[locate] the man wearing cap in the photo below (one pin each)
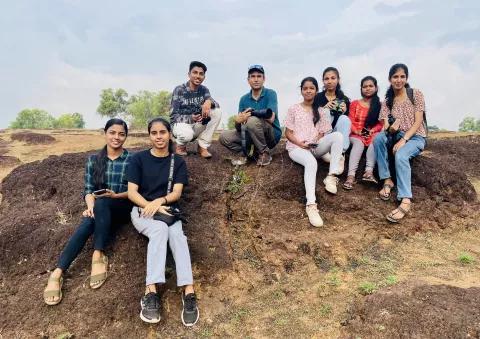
(194, 114)
(257, 122)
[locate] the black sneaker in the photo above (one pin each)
(190, 313)
(150, 304)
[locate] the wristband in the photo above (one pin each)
(404, 139)
(166, 201)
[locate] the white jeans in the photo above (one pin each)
(185, 133)
(332, 143)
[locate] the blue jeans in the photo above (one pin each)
(107, 211)
(343, 126)
(411, 149)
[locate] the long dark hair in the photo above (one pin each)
(316, 115)
(390, 94)
(321, 99)
(374, 110)
(100, 163)
(165, 123)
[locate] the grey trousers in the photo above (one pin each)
(260, 132)
(356, 154)
(158, 234)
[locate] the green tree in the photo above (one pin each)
(113, 103)
(74, 120)
(231, 122)
(33, 119)
(469, 124)
(147, 105)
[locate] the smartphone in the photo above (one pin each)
(100, 192)
(312, 145)
(365, 131)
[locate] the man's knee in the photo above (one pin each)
(216, 114)
(253, 123)
(225, 138)
(183, 133)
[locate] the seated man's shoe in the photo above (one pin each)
(264, 159)
(204, 153)
(181, 150)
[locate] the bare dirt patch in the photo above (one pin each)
(32, 138)
(422, 311)
(8, 161)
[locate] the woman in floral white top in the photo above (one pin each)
(309, 135)
(405, 132)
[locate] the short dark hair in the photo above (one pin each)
(197, 64)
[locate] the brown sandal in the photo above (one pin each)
(348, 184)
(386, 195)
(369, 178)
(399, 209)
(97, 280)
(54, 293)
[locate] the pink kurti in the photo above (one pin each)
(300, 121)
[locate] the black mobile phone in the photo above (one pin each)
(312, 145)
(99, 192)
(365, 131)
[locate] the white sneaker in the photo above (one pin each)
(331, 182)
(326, 157)
(313, 216)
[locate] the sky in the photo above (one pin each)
(59, 55)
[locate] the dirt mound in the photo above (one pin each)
(243, 234)
(8, 161)
(464, 148)
(32, 138)
(425, 311)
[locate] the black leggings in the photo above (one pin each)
(107, 211)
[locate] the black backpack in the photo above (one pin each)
(412, 100)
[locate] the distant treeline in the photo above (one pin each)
(137, 110)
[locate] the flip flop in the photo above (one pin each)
(386, 196)
(97, 280)
(370, 178)
(399, 209)
(348, 184)
(54, 293)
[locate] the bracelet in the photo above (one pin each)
(404, 139)
(166, 201)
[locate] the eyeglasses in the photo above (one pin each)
(259, 67)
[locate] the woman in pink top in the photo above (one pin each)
(402, 114)
(309, 134)
(365, 126)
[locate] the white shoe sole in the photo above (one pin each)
(150, 321)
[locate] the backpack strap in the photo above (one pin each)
(170, 174)
(411, 97)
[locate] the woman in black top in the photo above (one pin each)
(148, 183)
